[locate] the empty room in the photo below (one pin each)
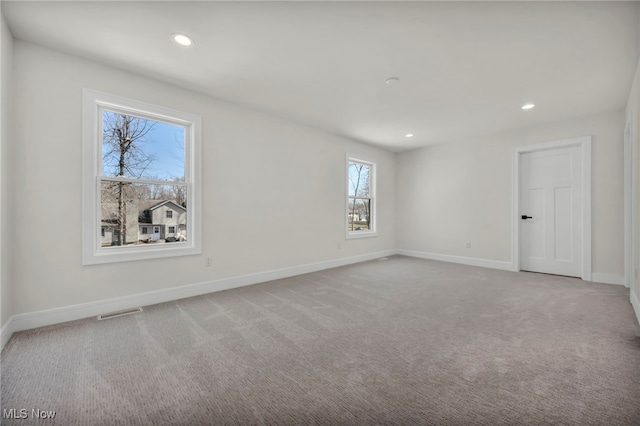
(325, 213)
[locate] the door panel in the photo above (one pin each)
(551, 193)
(563, 243)
(532, 230)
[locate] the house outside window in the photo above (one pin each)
(127, 189)
(361, 203)
(172, 229)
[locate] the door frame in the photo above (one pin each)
(629, 261)
(584, 143)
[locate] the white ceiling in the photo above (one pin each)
(465, 69)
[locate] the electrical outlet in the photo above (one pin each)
(209, 261)
(468, 244)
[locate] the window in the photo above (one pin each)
(102, 232)
(136, 158)
(145, 230)
(172, 229)
(360, 198)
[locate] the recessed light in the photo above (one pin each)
(182, 40)
(527, 106)
(392, 80)
(408, 135)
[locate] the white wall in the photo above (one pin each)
(452, 193)
(6, 55)
(273, 190)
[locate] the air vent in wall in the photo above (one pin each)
(119, 313)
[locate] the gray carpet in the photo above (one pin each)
(402, 341)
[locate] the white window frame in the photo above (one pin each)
(372, 195)
(92, 251)
(168, 214)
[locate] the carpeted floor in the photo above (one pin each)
(401, 341)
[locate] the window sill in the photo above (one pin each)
(361, 234)
(113, 255)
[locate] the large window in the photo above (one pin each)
(139, 161)
(360, 198)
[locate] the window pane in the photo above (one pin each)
(135, 213)
(359, 174)
(141, 148)
(359, 214)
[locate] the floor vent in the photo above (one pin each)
(382, 258)
(119, 313)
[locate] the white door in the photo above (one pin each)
(550, 213)
(156, 233)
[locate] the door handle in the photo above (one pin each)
(524, 216)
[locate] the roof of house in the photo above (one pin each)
(158, 204)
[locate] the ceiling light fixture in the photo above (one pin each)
(527, 106)
(392, 80)
(408, 135)
(182, 40)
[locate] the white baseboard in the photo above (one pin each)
(472, 261)
(5, 334)
(635, 302)
(496, 264)
(70, 313)
(597, 277)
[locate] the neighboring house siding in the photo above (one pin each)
(159, 216)
(109, 237)
(142, 224)
(177, 221)
(145, 233)
(110, 213)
